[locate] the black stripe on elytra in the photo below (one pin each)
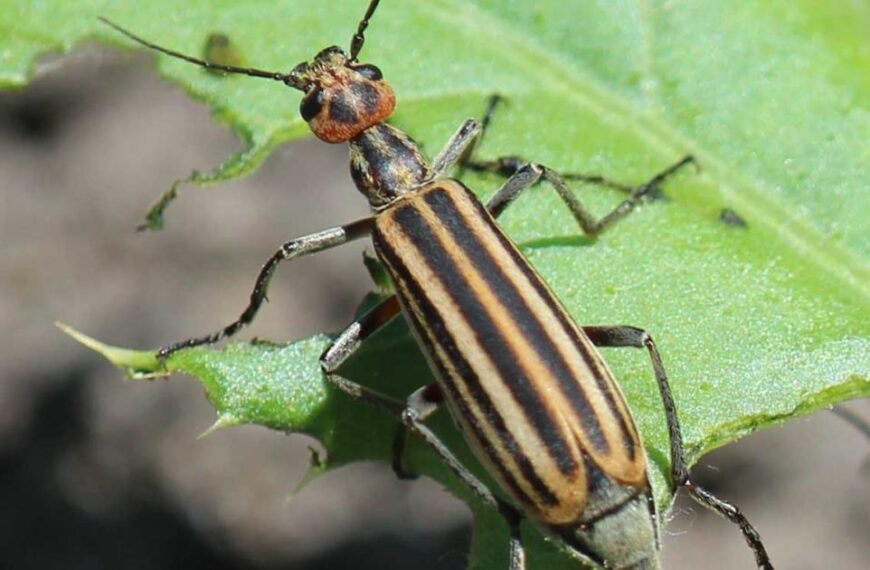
(436, 332)
(532, 330)
(570, 388)
(492, 340)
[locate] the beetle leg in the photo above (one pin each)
(733, 514)
(425, 401)
(531, 173)
(347, 343)
(298, 247)
(466, 160)
(458, 146)
(508, 165)
(511, 516)
(412, 413)
(625, 336)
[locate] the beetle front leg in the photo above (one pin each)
(625, 336)
(509, 165)
(412, 413)
(460, 144)
(298, 247)
(531, 173)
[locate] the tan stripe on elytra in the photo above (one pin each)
(571, 492)
(616, 462)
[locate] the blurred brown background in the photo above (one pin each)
(99, 473)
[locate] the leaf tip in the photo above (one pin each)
(136, 364)
(318, 465)
(223, 421)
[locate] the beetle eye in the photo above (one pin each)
(311, 104)
(369, 72)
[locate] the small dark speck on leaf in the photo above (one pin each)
(221, 50)
(731, 218)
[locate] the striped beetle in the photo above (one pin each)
(525, 384)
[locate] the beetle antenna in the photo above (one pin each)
(358, 39)
(274, 75)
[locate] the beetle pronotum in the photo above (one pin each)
(525, 384)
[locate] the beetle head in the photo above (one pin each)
(342, 97)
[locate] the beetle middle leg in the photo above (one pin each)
(625, 336)
(412, 413)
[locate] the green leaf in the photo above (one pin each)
(756, 324)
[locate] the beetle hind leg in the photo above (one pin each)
(625, 336)
(425, 401)
(733, 514)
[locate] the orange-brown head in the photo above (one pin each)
(342, 98)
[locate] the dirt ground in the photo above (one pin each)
(99, 473)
